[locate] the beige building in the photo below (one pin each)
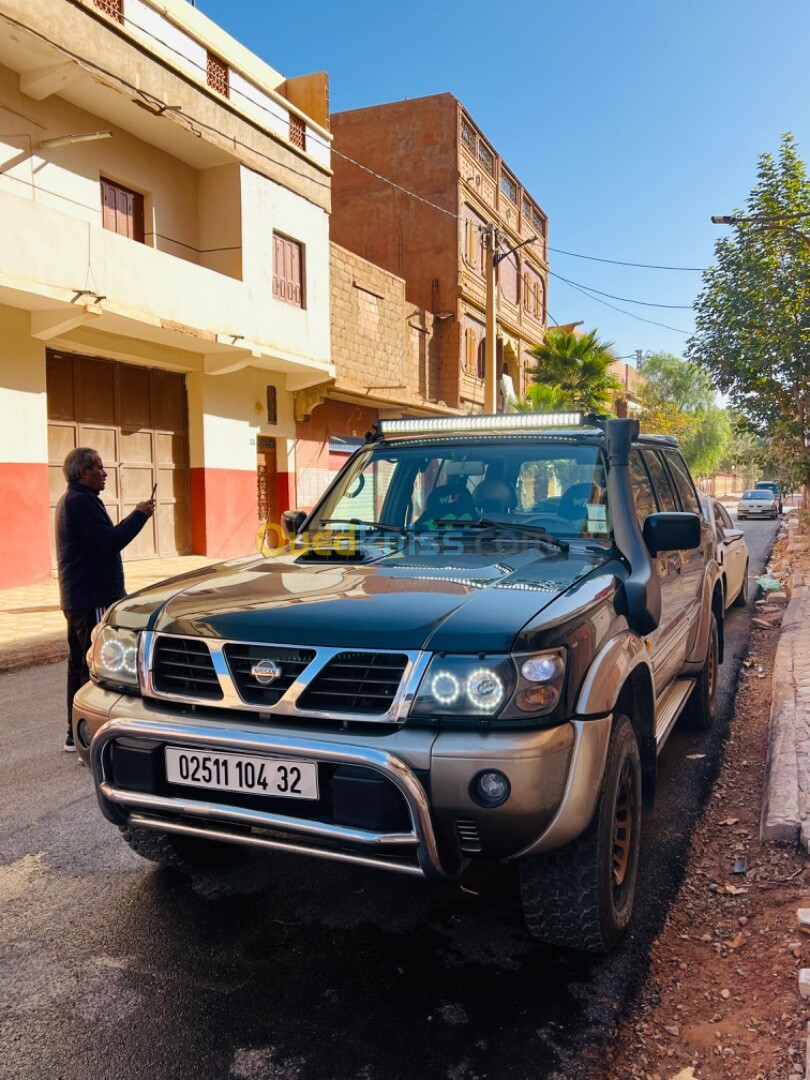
(164, 275)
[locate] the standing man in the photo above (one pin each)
(88, 553)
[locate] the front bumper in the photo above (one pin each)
(554, 776)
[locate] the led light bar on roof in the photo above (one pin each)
(434, 425)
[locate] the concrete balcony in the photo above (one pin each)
(86, 287)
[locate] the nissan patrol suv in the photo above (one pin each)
(474, 647)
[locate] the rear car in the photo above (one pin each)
(475, 646)
(758, 503)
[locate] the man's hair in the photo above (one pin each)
(78, 459)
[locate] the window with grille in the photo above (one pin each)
(288, 270)
(468, 136)
(486, 157)
(122, 210)
(218, 75)
(298, 132)
(113, 8)
(509, 186)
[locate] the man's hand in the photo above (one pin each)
(146, 507)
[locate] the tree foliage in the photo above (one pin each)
(753, 312)
(571, 368)
(677, 398)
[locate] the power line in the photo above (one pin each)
(623, 299)
(619, 262)
(585, 292)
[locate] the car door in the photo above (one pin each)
(668, 641)
(693, 562)
(731, 551)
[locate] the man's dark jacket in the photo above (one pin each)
(88, 549)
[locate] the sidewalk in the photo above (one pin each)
(32, 626)
(786, 799)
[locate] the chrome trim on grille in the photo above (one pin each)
(421, 838)
(287, 704)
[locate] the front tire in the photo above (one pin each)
(178, 852)
(699, 712)
(581, 897)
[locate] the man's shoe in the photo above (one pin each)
(70, 745)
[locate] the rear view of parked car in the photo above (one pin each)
(758, 503)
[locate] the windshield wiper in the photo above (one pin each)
(506, 526)
(380, 525)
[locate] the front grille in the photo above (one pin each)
(355, 682)
(184, 666)
(241, 658)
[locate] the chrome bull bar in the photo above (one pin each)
(421, 839)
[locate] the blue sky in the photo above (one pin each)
(631, 122)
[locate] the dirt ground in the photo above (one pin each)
(721, 999)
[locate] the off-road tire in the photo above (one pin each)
(178, 852)
(581, 897)
(741, 599)
(698, 713)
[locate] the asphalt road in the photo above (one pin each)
(284, 968)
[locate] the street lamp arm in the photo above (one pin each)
(766, 222)
(499, 256)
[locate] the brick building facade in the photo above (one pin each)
(432, 148)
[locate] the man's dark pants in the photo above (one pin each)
(80, 623)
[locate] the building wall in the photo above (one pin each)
(414, 144)
(383, 346)
(24, 538)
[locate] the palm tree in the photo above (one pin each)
(573, 372)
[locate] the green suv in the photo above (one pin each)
(475, 646)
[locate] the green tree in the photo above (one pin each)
(677, 398)
(573, 369)
(753, 312)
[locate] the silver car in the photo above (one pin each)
(758, 503)
(732, 551)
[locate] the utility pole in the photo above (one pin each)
(493, 258)
(490, 396)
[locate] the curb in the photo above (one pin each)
(786, 799)
(35, 654)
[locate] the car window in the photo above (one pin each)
(643, 494)
(768, 495)
(683, 482)
(722, 513)
(661, 482)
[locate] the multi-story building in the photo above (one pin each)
(415, 185)
(164, 272)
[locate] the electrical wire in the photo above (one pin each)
(652, 322)
(622, 299)
(619, 262)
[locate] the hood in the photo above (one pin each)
(462, 599)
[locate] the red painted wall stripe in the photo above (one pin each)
(224, 514)
(25, 540)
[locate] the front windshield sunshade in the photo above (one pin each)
(558, 488)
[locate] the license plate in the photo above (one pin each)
(238, 772)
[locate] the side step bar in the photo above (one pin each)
(669, 707)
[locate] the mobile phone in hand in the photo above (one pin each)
(154, 489)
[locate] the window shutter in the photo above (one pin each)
(288, 271)
(109, 206)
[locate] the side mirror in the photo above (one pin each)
(731, 535)
(671, 531)
(291, 522)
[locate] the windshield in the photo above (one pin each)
(758, 495)
(555, 486)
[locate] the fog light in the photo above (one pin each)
(83, 733)
(490, 788)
